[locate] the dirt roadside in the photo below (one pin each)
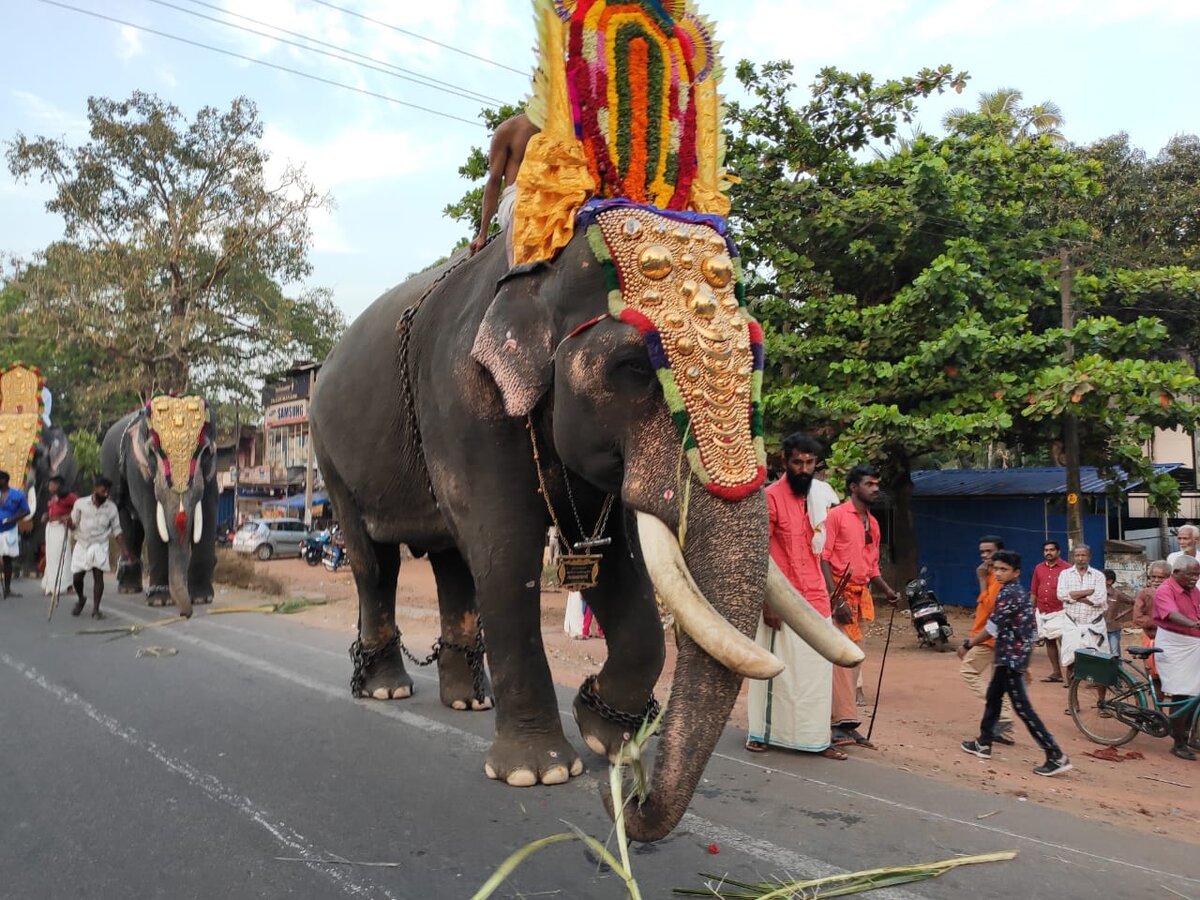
(926, 710)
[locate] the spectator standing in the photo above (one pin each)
(1118, 613)
(1084, 598)
(1189, 537)
(978, 649)
(1177, 617)
(1143, 613)
(1048, 608)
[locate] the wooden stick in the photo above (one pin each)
(1165, 781)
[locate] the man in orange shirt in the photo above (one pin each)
(852, 546)
(976, 668)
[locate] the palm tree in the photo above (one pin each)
(1002, 108)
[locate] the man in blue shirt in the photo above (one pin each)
(1014, 627)
(13, 508)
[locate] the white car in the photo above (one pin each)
(269, 538)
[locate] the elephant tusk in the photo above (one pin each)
(160, 516)
(197, 524)
(812, 627)
(31, 499)
(696, 616)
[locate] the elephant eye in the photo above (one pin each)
(633, 364)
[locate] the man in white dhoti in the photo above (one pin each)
(58, 536)
(792, 709)
(1177, 616)
(1084, 597)
(94, 521)
(505, 155)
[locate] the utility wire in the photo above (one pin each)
(421, 37)
(423, 80)
(261, 62)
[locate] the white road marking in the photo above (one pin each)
(209, 785)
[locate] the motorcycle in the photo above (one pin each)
(928, 614)
(333, 554)
(312, 549)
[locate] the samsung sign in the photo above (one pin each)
(287, 413)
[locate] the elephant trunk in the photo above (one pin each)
(179, 561)
(726, 555)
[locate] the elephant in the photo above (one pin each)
(162, 463)
(462, 413)
(53, 456)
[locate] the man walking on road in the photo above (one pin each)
(94, 521)
(13, 508)
(1084, 598)
(978, 655)
(792, 709)
(852, 552)
(1049, 609)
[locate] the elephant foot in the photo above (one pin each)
(544, 759)
(158, 595)
(380, 674)
(200, 601)
(463, 685)
(604, 727)
(129, 588)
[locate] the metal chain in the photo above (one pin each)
(590, 698)
(407, 400)
(363, 659)
(601, 522)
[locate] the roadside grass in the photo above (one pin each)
(236, 570)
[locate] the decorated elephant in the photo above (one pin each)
(162, 463)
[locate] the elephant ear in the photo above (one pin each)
(138, 434)
(515, 342)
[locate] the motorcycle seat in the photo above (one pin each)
(1143, 652)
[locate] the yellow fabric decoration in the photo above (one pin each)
(554, 182)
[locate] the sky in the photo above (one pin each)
(391, 167)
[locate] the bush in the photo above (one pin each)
(236, 570)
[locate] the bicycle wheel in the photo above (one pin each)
(1194, 734)
(1097, 723)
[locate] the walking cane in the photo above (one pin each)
(62, 555)
(882, 663)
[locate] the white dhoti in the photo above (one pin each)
(1050, 625)
(508, 202)
(10, 543)
(792, 709)
(90, 556)
(1179, 662)
(1088, 636)
(58, 558)
(573, 621)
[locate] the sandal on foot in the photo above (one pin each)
(833, 753)
(756, 746)
(1052, 679)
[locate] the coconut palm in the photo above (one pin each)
(1002, 108)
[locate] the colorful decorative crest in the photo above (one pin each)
(20, 420)
(626, 96)
(674, 277)
(179, 428)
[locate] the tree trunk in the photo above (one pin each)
(905, 549)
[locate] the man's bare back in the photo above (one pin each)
(504, 162)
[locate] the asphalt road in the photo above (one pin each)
(240, 767)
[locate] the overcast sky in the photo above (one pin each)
(1111, 65)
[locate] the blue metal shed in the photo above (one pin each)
(953, 508)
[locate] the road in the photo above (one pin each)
(240, 767)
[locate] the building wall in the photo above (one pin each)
(948, 531)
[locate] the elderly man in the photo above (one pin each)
(1143, 612)
(1177, 616)
(1188, 536)
(1084, 598)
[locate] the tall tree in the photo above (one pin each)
(911, 303)
(173, 270)
(468, 209)
(1001, 111)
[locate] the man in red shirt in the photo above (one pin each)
(1177, 617)
(57, 575)
(791, 710)
(852, 546)
(1044, 590)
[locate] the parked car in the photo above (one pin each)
(270, 538)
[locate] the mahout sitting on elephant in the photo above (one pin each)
(162, 462)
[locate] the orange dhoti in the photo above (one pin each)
(845, 710)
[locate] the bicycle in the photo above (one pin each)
(1125, 700)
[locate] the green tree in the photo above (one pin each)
(1001, 111)
(173, 270)
(86, 447)
(911, 303)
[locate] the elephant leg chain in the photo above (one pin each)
(473, 653)
(590, 698)
(363, 658)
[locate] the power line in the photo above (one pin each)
(261, 62)
(423, 80)
(420, 37)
